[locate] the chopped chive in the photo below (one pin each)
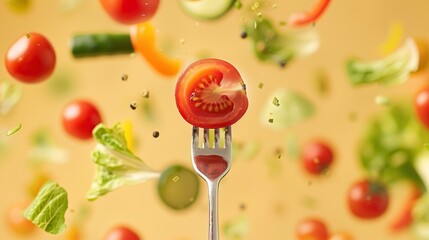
(276, 102)
(28, 35)
(238, 4)
(14, 130)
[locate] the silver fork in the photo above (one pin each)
(212, 163)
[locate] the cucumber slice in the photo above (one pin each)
(178, 187)
(206, 9)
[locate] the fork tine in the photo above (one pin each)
(206, 138)
(195, 137)
(228, 134)
(216, 138)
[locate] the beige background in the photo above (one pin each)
(274, 203)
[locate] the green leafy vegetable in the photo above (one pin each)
(293, 108)
(116, 165)
(10, 94)
(391, 145)
(14, 130)
(280, 47)
(390, 70)
(48, 208)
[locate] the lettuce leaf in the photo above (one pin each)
(48, 208)
(393, 69)
(116, 165)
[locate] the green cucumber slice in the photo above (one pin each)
(206, 9)
(178, 187)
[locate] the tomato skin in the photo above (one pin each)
(16, 220)
(31, 59)
(421, 105)
(230, 87)
(312, 229)
(130, 11)
(368, 199)
(79, 118)
(317, 157)
(121, 233)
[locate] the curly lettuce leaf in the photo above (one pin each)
(269, 44)
(48, 208)
(391, 145)
(116, 165)
(393, 69)
(291, 108)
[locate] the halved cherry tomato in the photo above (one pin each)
(143, 40)
(31, 59)
(211, 94)
(317, 157)
(421, 106)
(16, 220)
(300, 19)
(121, 233)
(79, 118)
(312, 229)
(368, 199)
(130, 11)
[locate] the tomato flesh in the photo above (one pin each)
(211, 94)
(122, 233)
(79, 118)
(368, 199)
(312, 229)
(31, 59)
(317, 157)
(130, 11)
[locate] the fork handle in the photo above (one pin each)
(213, 189)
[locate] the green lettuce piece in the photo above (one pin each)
(116, 165)
(10, 94)
(390, 70)
(48, 208)
(269, 44)
(292, 108)
(392, 144)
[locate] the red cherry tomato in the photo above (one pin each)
(317, 157)
(16, 220)
(312, 229)
(368, 199)
(79, 118)
(31, 58)
(122, 233)
(421, 105)
(130, 11)
(211, 94)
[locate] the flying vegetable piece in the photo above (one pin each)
(116, 165)
(10, 94)
(293, 108)
(19, 6)
(302, 19)
(206, 9)
(391, 145)
(368, 199)
(237, 228)
(141, 39)
(271, 45)
(16, 220)
(393, 69)
(405, 217)
(420, 216)
(48, 208)
(130, 11)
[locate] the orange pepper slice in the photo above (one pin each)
(143, 40)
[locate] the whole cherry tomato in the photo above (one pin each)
(130, 11)
(368, 199)
(312, 229)
(317, 157)
(79, 118)
(121, 233)
(421, 106)
(16, 220)
(31, 59)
